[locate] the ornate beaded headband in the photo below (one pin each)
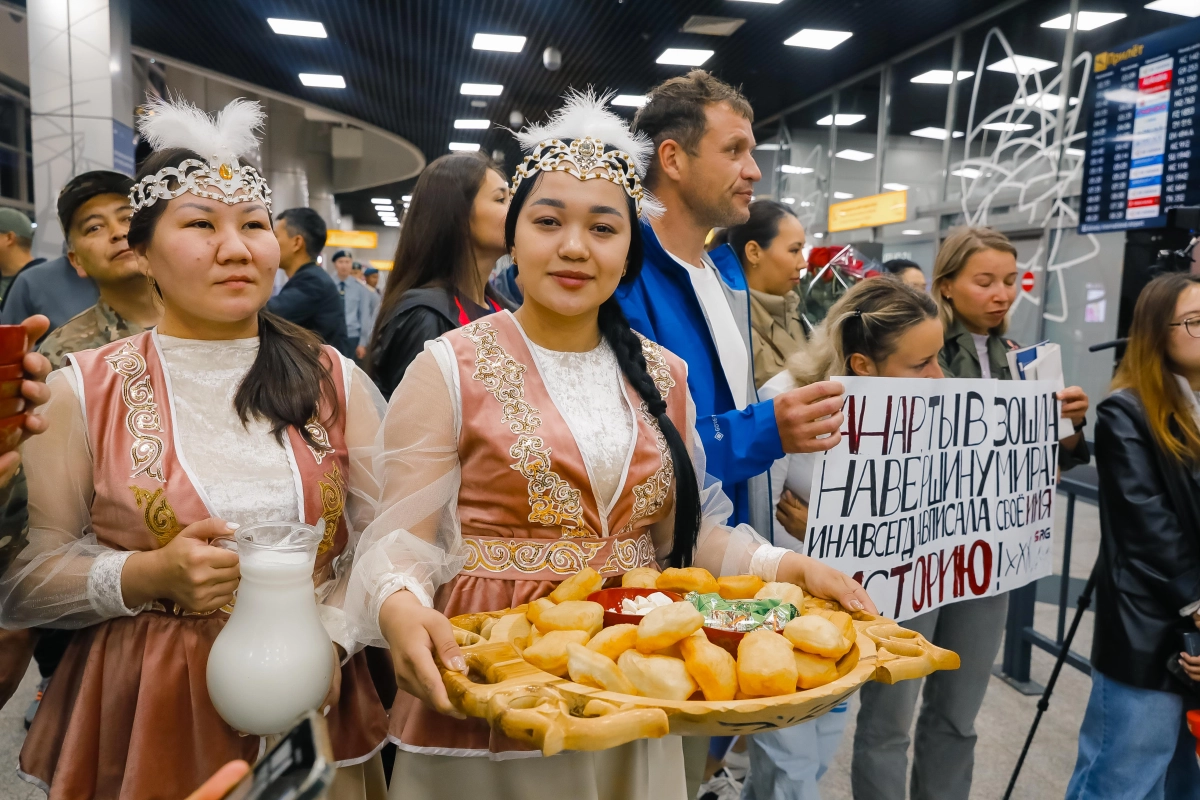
(574, 140)
(223, 140)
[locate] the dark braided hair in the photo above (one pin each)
(627, 346)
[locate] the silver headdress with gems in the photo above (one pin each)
(574, 139)
(223, 141)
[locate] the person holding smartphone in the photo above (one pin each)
(1134, 741)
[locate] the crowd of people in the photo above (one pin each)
(573, 340)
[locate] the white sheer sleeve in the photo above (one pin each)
(719, 549)
(63, 578)
(365, 408)
(415, 542)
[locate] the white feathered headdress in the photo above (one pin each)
(586, 139)
(223, 141)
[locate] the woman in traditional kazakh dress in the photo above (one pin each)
(546, 440)
(162, 442)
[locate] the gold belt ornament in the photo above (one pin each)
(559, 557)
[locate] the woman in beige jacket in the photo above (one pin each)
(771, 248)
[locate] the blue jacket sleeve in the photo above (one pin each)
(16, 306)
(739, 445)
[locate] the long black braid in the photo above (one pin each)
(627, 347)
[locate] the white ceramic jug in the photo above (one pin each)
(273, 661)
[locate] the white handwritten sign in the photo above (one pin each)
(940, 490)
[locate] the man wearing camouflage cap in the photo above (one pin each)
(94, 211)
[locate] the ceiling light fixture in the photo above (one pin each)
(768, 146)
(854, 155)
(1075, 151)
(1088, 20)
(895, 187)
(632, 100)
(498, 42)
(471, 124)
(768, 2)
(941, 76)
(817, 39)
(805, 204)
(297, 27)
(966, 172)
(391, 224)
(322, 81)
(1007, 127)
(842, 196)
(794, 170)
(388, 207)
(1026, 65)
(934, 133)
(468, 147)
(1184, 8)
(484, 89)
(912, 232)
(383, 200)
(406, 198)
(1046, 102)
(684, 57)
(791, 201)
(842, 119)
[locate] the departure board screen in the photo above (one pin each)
(1142, 154)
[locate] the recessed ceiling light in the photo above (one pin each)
(383, 200)
(1047, 102)
(634, 100)
(391, 224)
(1026, 65)
(941, 76)
(841, 196)
(479, 104)
(387, 207)
(1007, 127)
(854, 155)
(498, 42)
(934, 133)
(471, 124)
(465, 146)
(769, 146)
(1184, 8)
(297, 27)
(1088, 20)
(485, 89)
(684, 57)
(842, 119)
(805, 204)
(791, 201)
(912, 233)
(818, 39)
(966, 172)
(895, 187)
(1075, 151)
(407, 198)
(386, 215)
(793, 170)
(322, 81)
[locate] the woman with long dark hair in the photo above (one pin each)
(224, 415)
(453, 235)
(547, 439)
(1134, 742)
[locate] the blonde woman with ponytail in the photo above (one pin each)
(882, 327)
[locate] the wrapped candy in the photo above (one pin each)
(742, 616)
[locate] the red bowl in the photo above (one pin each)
(11, 430)
(611, 600)
(13, 344)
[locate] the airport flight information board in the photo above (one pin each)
(1142, 154)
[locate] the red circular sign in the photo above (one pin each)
(1027, 282)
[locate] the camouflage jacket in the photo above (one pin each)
(88, 329)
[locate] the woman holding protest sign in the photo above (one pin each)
(1133, 742)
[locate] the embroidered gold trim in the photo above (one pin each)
(333, 503)
(552, 501)
(142, 417)
(560, 556)
(656, 365)
(319, 435)
(156, 510)
(629, 554)
(651, 495)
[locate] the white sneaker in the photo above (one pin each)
(721, 786)
(737, 764)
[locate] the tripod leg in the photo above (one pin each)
(1085, 600)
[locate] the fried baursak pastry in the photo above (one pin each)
(614, 640)
(657, 676)
(813, 671)
(787, 592)
(549, 653)
(688, 579)
(592, 669)
(510, 628)
(666, 625)
(579, 586)
(739, 587)
(710, 666)
(640, 578)
(843, 621)
(817, 635)
(572, 615)
(535, 609)
(765, 665)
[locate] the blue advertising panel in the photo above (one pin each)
(1142, 157)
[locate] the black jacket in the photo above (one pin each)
(1149, 563)
(310, 299)
(421, 315)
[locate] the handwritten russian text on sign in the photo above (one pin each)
(940, 490)
(867, 212)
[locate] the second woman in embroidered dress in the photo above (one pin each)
(525, 446)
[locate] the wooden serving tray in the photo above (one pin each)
(554, 714)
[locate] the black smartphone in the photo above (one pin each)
(1191, 643)
(299, 767)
